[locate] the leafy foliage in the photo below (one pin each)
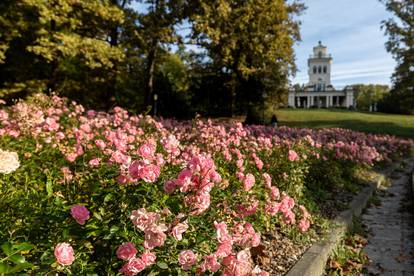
(401, 46)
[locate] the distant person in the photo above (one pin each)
(273, 121)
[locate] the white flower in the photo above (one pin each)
(9, 161)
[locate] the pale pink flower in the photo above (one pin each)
(126, 251)
(222, 232)
(143, 219)
(224, 249)
(148, 258)
(248, 182)
(94, 162)
(80, 213)
(187, 259)
(149, 173)
(133, 267)
(64, 253)
(293, 156)
(268, 180)
(304, 225)
(100, 144)
(178, 230)
(272, 208)
(210, 263)
(274, 193)
(147, 150)
(289, 217)
(154, 236)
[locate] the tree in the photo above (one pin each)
(368, 95)
(401, 45)
(158, 30)
(251, 41)
(61, 45)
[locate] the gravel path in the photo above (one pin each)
(391, 228)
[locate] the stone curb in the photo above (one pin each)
(313, 261)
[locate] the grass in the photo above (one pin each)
(380, 123)
(348, 258)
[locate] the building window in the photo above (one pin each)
(314, 69)
(324, 69)
(320, 54)
(319, 69)
(319, 87)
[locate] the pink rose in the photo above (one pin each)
(149, 173)
(223, 250)
(126, 251)
(133, 267)
(210, 263)
(79, 213)
(143, 219)
(178, 230)
(268, 180)
(148, 258)
(94, 162)
(154, 236)
(248, 182)
(147, 150)
(222, 232)
(293, 156)
(274, 193)
(304, 225)
(64, 253)
(169, 186)
(187, 259)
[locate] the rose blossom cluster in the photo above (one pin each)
(242, 235)
(196, 181)
(134, 264)
(148, 222)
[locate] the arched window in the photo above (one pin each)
(324, 69)
(320, 54)
(319, 69)
(314, 69)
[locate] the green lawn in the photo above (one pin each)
(400, 125)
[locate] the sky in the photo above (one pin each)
(351, 31)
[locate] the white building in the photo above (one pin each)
(319, 92)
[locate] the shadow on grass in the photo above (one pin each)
(358, 125)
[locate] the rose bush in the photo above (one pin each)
(115, 193)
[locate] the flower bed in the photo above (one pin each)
(110, 192)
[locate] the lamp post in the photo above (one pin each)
(155, 104)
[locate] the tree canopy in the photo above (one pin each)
(107, 52)
(400, 30)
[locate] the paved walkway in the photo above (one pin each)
(391, 228)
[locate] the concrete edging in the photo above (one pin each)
(313, 261)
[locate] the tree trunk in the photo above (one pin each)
(152, 55)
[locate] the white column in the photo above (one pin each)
(308, 101)
(311, 102)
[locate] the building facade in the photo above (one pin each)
(319, 91)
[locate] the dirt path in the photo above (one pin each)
(391, 228)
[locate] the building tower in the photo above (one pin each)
(319, 69)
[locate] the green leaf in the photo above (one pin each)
(21, 267)
(97, 215)
(49, 188)
(17, 259)
(24, 246)
(4, 268)
(162, 265)
(7, 248)
(108, 197)
(114, 229)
